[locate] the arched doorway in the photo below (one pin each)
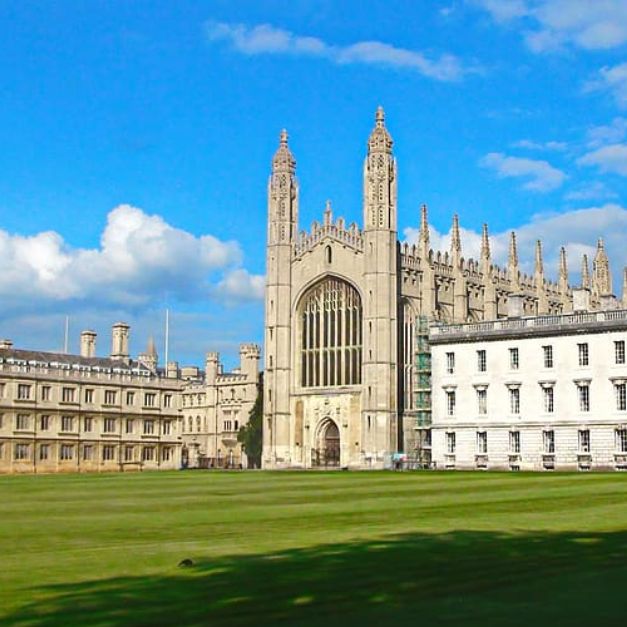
(327, 451)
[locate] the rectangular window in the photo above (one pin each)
(549, 399)
(109, 425)
(45, 392)
(167, 401)
(148, 453)
(450, 443)
(450, 403)
(22, 421)
(514, 401)
(514, 441)
(584, 356)
(23, 392)
(149, 399)
(89, 396)
(88, 452)
(227, 425)
(88, 424)
(21, 452)
(67, 452)
(130, 398)
(548, 356)
(44, 452)
(3, 389)
(67, 395)
(482, 402)
(621, 440)
(482, 442)
(149, 427)
(167, 427)
(1, 421)
(548, 442)
(450, 363)
(108, 453)
(44, 423)
(109, 397)
(482, 363)
(584, 441)
(621, 396)
(619, 352)
(129, 453)
(513, 358)
(129, 425)
(67, 423)
(584, 397)
(166, 454)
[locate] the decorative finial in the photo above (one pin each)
(283, 137)
(485, 243)
(456, 242)
(424, 229)
(563, 269)
(328, 213)
(539, 265)
(585, 272)
(513, 250)
(380, 116)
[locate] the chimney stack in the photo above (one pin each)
(88, 343)
(6, 344)
(119, 341)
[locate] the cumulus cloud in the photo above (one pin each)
(576, 230)
(140, 258)
(239, 285)
(541, 176)
(612, 133)
(595, 190)
(553, 24)
(612, 158)
(528, 144)
(613, 80)
(268, 39)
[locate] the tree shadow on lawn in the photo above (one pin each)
(456, 578)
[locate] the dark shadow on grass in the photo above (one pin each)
(457, 578)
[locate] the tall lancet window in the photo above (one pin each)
(330, 335)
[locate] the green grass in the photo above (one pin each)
(314, 549)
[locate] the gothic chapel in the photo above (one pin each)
(346, 307)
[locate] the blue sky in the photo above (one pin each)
(136, 139)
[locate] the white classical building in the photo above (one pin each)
(534, 393)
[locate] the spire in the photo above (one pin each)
(151, 349)
(380, 117)
(328, 214)
(380, 140)
(283, 160)
(423, 238)
(456, 241)
(539, 265)
(601, 276)
(512, 262)
(585, 272)
(563, 271)
(485, 243)
(513, 251)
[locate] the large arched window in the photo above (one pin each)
(330, 335)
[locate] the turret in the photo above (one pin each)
(456, 242)
(249, 360)
(423, 237)
(150, 358)
(538, 275)
(512, 263)
(601, 275)
(563, 272)
(585, 272)
(212, 367)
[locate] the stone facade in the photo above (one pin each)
(538, 393)
(216, 407)
(344, 311)
(82, 413)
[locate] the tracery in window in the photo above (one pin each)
(330, 339)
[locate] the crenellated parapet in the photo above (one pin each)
(337, 230)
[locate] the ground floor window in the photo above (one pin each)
(450, 443)
(548, 442)
(88, 452)
(67, 452)
(108, 453)
(584, 441)
(621, 440)
(166, 453)
(148, 453)
(44, 452)
(129, 453)
(21, 452)
(482, 442)
(514, 441)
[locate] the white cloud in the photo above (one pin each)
(140, 258)
(595, 190)
(541, 146)
(541, 175)
(608, 134)
(588, 24)
(612, 158)
(239, 285)
(577, 230)
(267, 39)
(612, 79)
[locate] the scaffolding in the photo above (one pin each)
(422, 393)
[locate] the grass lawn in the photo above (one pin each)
(314, 549)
